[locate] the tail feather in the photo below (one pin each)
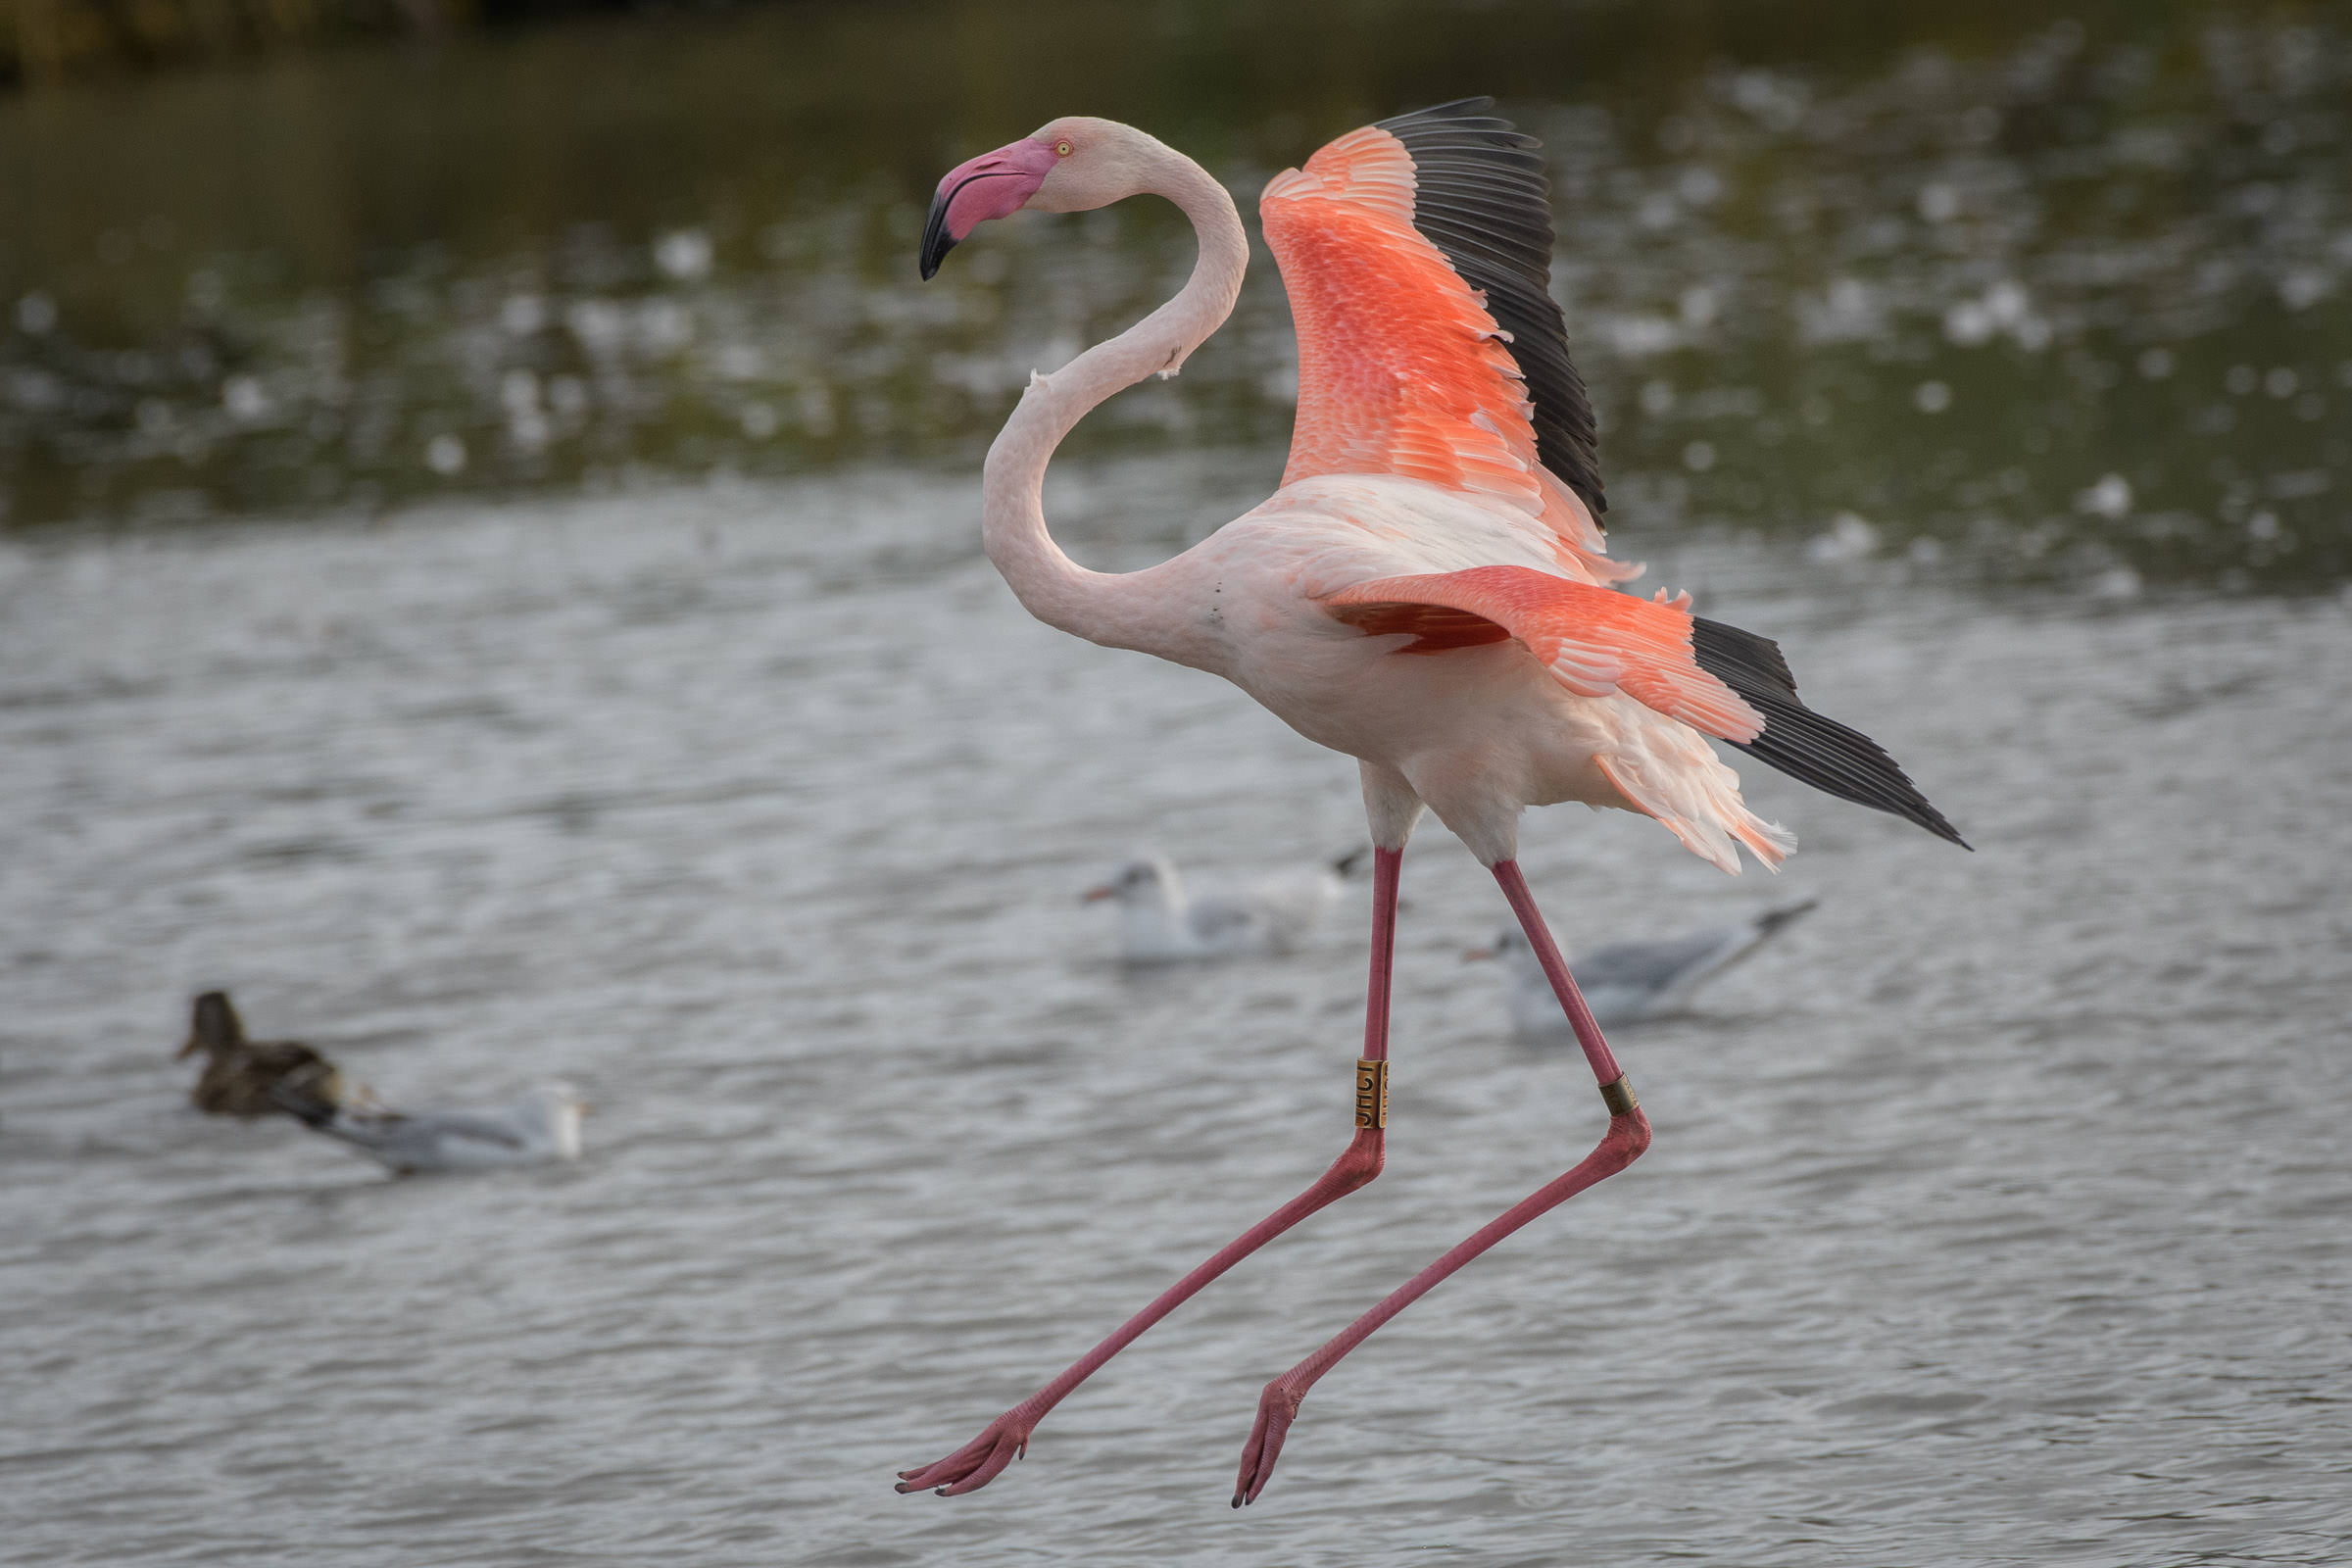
(1803, 744)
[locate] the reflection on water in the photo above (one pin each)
(2050, 297)
(2061, 300)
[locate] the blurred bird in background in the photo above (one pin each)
(1626, 982)
(1162, 920)
(240, 1076)
(542, 1126)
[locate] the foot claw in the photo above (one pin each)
(1277, 1408)
(975, 1464)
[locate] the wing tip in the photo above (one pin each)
(1807, 746)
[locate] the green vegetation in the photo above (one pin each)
(2064, 297)
(44, 42)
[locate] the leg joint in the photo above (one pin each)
(1631, 1134)
(1359, 1162)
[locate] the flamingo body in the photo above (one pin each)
(1478, 734)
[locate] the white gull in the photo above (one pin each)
(1163, 921)
(544, 1125)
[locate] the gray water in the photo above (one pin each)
(1999, 1215)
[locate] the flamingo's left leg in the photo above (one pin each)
(1628, 1136)
(1007, 1438)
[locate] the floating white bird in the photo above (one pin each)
(1627, 982)
(544, 1125)
(1161, 921)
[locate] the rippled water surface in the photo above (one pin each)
(2000, 1215)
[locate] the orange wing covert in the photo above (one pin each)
(1399, 366)
(1718, 680)
(1597, 641)
(1401, 370)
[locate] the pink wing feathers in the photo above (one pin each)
(1596, 641)
(1415, 253)
(1718, 680)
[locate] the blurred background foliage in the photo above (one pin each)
(1999, 288)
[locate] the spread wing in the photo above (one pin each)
(1598, 642)
(1417, 254)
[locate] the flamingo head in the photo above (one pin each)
(1072, 164)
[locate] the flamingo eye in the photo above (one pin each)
(1062, 149)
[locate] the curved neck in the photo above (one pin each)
(1053, 587)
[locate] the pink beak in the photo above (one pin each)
(991, 185)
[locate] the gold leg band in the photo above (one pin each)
(1618, 1096)
(1371, 1093)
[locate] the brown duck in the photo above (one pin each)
(239, 1074)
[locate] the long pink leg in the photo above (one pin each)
(1006, 1438)
(1628, 1136)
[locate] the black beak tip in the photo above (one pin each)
(937, 241)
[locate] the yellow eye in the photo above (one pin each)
(1062, 149)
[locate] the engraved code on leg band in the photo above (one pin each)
(1371, 1093)
(1619, 1097)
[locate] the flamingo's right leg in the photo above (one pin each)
(1627, 1137)
(1006, 1438)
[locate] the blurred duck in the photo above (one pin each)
(1161, 921)
(1627, 982)
(542, 1126)
(240, 1075)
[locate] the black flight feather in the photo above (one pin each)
(1800, 743)
(1479, 199)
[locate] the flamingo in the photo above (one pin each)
(1429, 592)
